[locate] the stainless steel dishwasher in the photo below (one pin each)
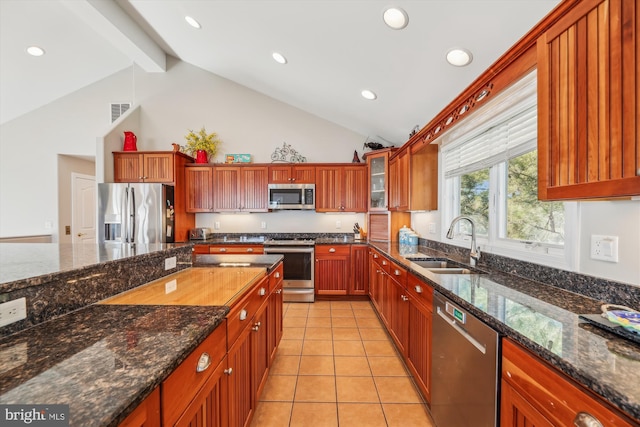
(464, 379)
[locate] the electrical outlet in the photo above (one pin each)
(263, 225)
(12, 311)
(338, 224)
(170, 263)
(216, 225)
(432, 228)
(604, 248)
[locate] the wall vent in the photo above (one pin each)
(117, 110)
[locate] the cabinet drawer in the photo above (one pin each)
(337, 250)
(236, 249)
(242, 312)
(420, 291)
(276, 276)
(556, 396)
(183, 384)
(398, 273)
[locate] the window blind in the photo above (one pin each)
(503, 136)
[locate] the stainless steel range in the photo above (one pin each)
(298, 283)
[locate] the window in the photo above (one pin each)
(490, 174)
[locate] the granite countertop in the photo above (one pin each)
(112, 357)
(37, 262)
(545, 320)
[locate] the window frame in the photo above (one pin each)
(554, 255)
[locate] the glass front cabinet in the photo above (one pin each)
(378, 162)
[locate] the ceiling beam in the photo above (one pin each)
(111, 21)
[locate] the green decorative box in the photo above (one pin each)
(238, 158)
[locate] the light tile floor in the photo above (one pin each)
(336, 366)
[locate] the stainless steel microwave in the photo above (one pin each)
(292, 196)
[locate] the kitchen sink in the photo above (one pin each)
(441, 265)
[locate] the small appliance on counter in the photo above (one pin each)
(200, 233)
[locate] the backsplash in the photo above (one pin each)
(603, 290)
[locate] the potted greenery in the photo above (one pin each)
(201, 145)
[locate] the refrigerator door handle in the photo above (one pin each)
(125, 216)
(132, 216)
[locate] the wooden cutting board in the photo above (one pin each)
(193, 286)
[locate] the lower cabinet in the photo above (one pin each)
(147, 414)
(418, 348)
(275, 311)
(187, 393)
(359, 282)
(332, 269)
(241, 401)
(534, 393)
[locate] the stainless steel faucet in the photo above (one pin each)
(474, 256)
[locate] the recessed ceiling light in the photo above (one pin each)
(279, 58)
(367, 94)
(459, 57)
(35, 51)
(395, 18)
(192, 22)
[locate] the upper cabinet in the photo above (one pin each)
(287, 174)
(240, 188)
(144, 166)
(588, 90)
(378, 163)
(341, 188)
(399, 170)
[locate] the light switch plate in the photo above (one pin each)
(604, 248)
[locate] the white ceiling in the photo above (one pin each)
(335, 48)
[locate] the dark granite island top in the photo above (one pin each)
(102, 360)
(545, 320)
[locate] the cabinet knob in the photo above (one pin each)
(223, 249)
(262, 292)
(203, 362)
(249, 249)
(256, 326)
(585, 419)
(277, 274)
(243, 314)
(332, 250)
(397, 272)
(418, 289)
(228, 371)
(384, 262)
(375, 256)
(279, 291)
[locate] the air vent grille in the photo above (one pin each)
(117, 110)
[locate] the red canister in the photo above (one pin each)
(130, 140)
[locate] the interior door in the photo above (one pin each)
(83, 208)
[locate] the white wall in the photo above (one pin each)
(185, 97)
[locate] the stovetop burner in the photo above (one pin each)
(289, 242)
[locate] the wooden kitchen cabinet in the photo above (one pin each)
(286, 174)
(260, 351)
(240, 188)
(384, 226)
(423, 181)
(147, 414)
(341, 188)
(378, 169)
(534, 393)
(188, 394)
(588, 91)
(359, 282)
(275, 311)
(228, 249)
(332, 270)
(418, 350)
(144, 166)
(240, 400)
(399, 181)
(199, 188)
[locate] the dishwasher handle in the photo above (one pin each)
(481, 347)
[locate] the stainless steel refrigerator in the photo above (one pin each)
(135, 213)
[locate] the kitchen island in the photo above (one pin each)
(103, 360)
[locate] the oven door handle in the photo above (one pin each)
(288, 250)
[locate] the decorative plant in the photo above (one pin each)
(202, 140)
